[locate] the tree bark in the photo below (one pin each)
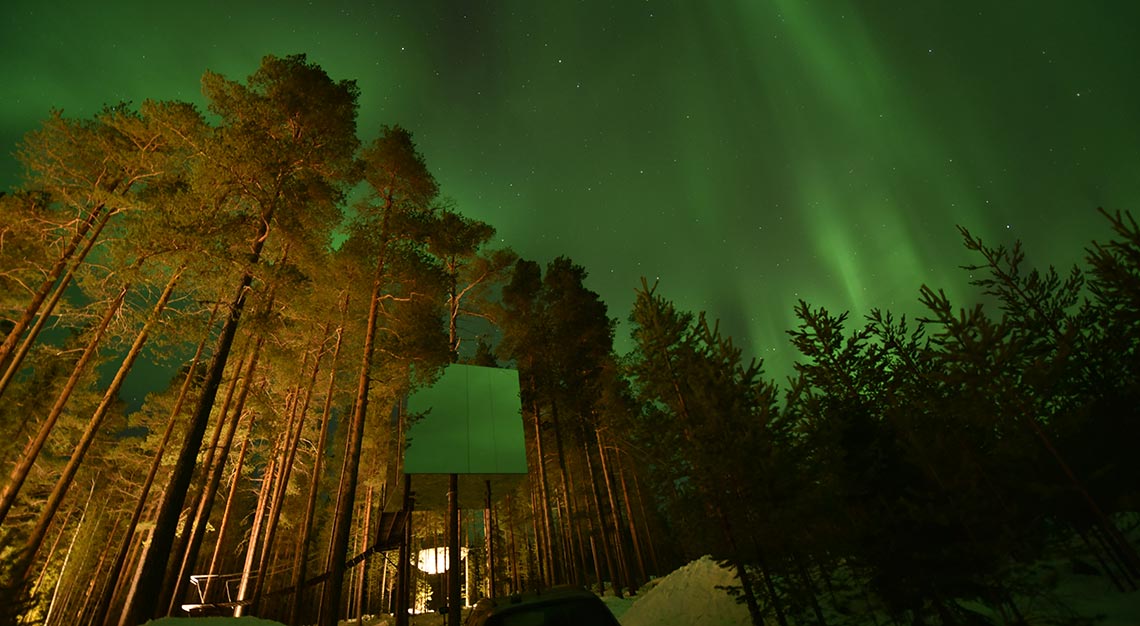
(544, 508)
(489, 546)
(288, 456)
(11, 362)
(32, 450)
(629, 519)
(255, 536)
(616, 515)
(143, 598)
(102, 608)
(67, 555)
(515, 588)
(342, 520)
(214, 468)
(453, 550)
(610, 567)
(109, 397)
(318, 458)
(227, 511)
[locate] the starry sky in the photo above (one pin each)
(747, 153)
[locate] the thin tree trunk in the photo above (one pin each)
(363, 568)
(544, 509)
(318, 458)
(201, 479)
(254, 536)
(143, 599)
(490, 541)
(227, 511)
(289, 455)
(109, 397)
(51, 552)
(567, 562)
(93, 583)
(629, 519)
(453, 550)
(342, 520)
(67, 555)
(403, 566)
(615, 513)
(32, 449)
(214, 466)
(102, 608)
(645, 522)
(11, 362)
(515, 588)
(601, 526)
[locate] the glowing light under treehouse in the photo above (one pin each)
(434, 560)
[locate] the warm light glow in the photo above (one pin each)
(434, 560)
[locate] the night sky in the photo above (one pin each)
(747, 153)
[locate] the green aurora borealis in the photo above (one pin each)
(747, 153)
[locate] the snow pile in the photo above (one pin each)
(690, 596)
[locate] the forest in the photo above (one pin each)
(283, 282)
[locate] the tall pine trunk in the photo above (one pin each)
(227, 510)
(32, 450)
(179, 569)
(70, 548)
(610, 561)
(255, 537)
(143, 599)
(302, 560)
(629, 519)
(543, 509)
(109, 397)
(102, 608)
(288, 456)
(615, 514)
(342, 520)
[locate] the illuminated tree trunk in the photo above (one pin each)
(101, 609)
(97, 575)
(616, 515)
(514, 554)
(255, 536)
(544, 506)
(289, 454)
(363, 568)
(51, 551)
(32, 450)
(227, 511)
(564, 526)
(67, 555)
(109, 397)
(10, 362)
(611, 566)
(342, 520)
(489, 543)
(302, 558)
(632, 526)
(536, 569)
(179, 570)
(143, 600)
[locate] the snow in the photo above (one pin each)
(689, 595)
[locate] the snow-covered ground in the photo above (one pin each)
(690, 596)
